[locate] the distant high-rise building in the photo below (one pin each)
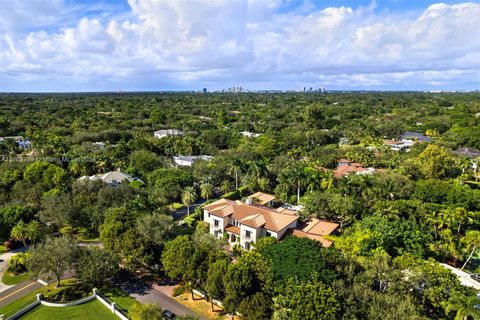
(204, 90)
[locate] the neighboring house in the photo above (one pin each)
(317, 229)
(346, 167)
(343, 141)
(19, 140)
(401, 145)
(246, 223)
(263, 199)
(468, 152)
(188, 161)
(418, 137)
(168, 132)
(113, 178)
(250, 134)
(100, 145)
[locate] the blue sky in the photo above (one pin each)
(134, 45)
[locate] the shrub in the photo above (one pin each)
(178, 291)
(70, 293)
(16, 264)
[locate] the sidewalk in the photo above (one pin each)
(4, 265)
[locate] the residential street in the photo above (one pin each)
(15, 292)
(156, 293)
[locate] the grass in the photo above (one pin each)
(177, 205)
(30, 297)
(202, 307)
(120, 297)
(3, 249)
(9, 278)
(92, 310)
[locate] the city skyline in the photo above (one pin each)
(66, 46)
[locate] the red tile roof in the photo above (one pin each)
(251, 215)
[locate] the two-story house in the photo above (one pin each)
(245, 223)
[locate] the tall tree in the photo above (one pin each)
(465, 306)
(52, 258)
(206, 190)
(471, 242)
(189, 196)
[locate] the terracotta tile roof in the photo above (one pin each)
(254, 221)
(251, 215)
(320, 227)
(302, 234)
(346, 167)
(262, 198)
(316, 229)
(233, 229)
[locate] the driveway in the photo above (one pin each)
(4, 265)
(156, 293)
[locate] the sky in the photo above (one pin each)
(155, 45)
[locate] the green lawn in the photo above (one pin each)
(24, 301)
(123, 300)
(120, 297)
(11, 278)
(92, 310)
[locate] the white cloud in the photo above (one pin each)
(188, 43)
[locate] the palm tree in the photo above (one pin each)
(327, 180)
(206, 190)
(471, 241)
(20, 233)
(235, 168)
(34, 231)
(464, 306)
(226, 186)
(189, 195)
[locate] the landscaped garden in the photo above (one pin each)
(92, 310)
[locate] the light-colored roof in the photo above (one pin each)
(251, 215)
(169, 132)
(320, 227)
(262, 198)
(109, 177)
(286, 211)
(316, 229)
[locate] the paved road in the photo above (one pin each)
(17, 291)
(147, 293)
(166, 302)
(182, 213)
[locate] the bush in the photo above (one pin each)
(66, 231)
(236, 194)
(178, 291)
(70, 293)
(16, 264)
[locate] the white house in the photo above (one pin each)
(402, 145)
(187, 161)
(168, 132)
(250, 134)
(19, 140)
(245, 223)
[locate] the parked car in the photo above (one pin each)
(168, 315)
